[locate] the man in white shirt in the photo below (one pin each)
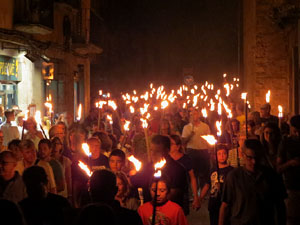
(9, 128)
(197, 147)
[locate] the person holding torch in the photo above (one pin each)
(160, 148)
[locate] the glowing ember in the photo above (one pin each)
(85, 168)
(268, 96)
(218, 125)
(280, 113)
(210, 139)
(136, 162)
(86, 149)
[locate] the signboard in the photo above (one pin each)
(9, 68)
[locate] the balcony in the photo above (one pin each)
(34, 17)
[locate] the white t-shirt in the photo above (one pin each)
(10, 133)
(196, 141)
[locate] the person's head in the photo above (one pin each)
(8, 163)
(251, 126)
(235, 124)
(57, 131)
(255, 116)
(106, 142)
(44, 149)
(95, 146)
(295, 126)
(271, 133)
(252, 154)
(10, 115)
(28, 150)
(163, 189)
(77, 136)
(91, 213)
(116, 160)
(123, 185)
(176, 143)
(159, 147)
(222, 154)
(13, 146)
(265, 110)
(165, 127)
(30, 124)
(57, 147)
(35, 180)
(10, 213)
(103, 186)
(194, 115)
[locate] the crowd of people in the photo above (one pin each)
(251, 176)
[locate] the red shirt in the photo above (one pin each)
(168, 214)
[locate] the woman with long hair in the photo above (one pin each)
(124, 192)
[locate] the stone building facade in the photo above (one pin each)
(270, 53)
(50, 42)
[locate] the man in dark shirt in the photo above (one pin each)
(289, 165)
(42, 207)
(160, 147)
(98, 160)
(265, 114)
(11, 184)
(103, 188)
(253, 194)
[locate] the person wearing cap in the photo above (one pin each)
(288, 163)
(265, 114)
(9, 128)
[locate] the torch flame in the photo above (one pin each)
(85, 168)
(79, 112)
(280, 113)
(112, 104)
(268, 95)
(126, 125)
(136, 162)
(109, 119)
(144, 123)
(164, 104)
(158, 166)
(86, 149)
(131, 109)
(38, 117)
(218, 125)
(244, 95)
(210, 139)
(204, 112)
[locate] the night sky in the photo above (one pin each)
(161, 41)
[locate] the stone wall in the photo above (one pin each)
(267, 56)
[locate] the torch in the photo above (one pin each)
(157, 168)
(87, 152)
(126, 129)
(280, 115)
(145, 126)
(85, 168)
(138, 165)
(212, 141)
(24, 120)
(78, 118)
(39, 122)
(244, 97)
